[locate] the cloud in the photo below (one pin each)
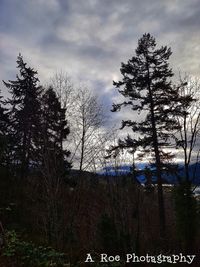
(89, 39)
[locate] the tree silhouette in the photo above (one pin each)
(24, 114)
(54, 126)
(4, 121)
(147, 85)
(53, 163)
(189, 131)
(86, 120)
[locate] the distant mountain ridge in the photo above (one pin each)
(194, 172)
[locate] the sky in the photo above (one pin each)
(88, 39)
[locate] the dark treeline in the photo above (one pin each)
(34, 124)
(45, 200)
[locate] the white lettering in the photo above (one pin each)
(191, 258)
(89, 258)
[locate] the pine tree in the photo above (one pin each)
(4, 121)
(24, 113)
(54, 126)
(147, 85)
(53, 164)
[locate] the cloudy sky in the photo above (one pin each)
(89, 39)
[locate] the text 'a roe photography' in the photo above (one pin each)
(133, 258)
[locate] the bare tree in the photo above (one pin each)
(88, 118)
(188, 134)
(103, 141)
(85, 116)
(63, 86)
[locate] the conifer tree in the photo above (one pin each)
(54, 165)
(3, 128)
(147, 85)
(54, 126)
(24, 113)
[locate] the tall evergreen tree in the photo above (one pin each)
(24, 112)
(147, 85)
(54, 126)
(3, 128)
(53, 162)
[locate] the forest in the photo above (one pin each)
(63, 193)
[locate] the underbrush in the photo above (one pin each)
(23, 253)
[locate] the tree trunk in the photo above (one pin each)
(82, 150)
(158, 163)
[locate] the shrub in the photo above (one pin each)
(28, 254)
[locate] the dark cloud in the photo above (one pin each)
(89, 39)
